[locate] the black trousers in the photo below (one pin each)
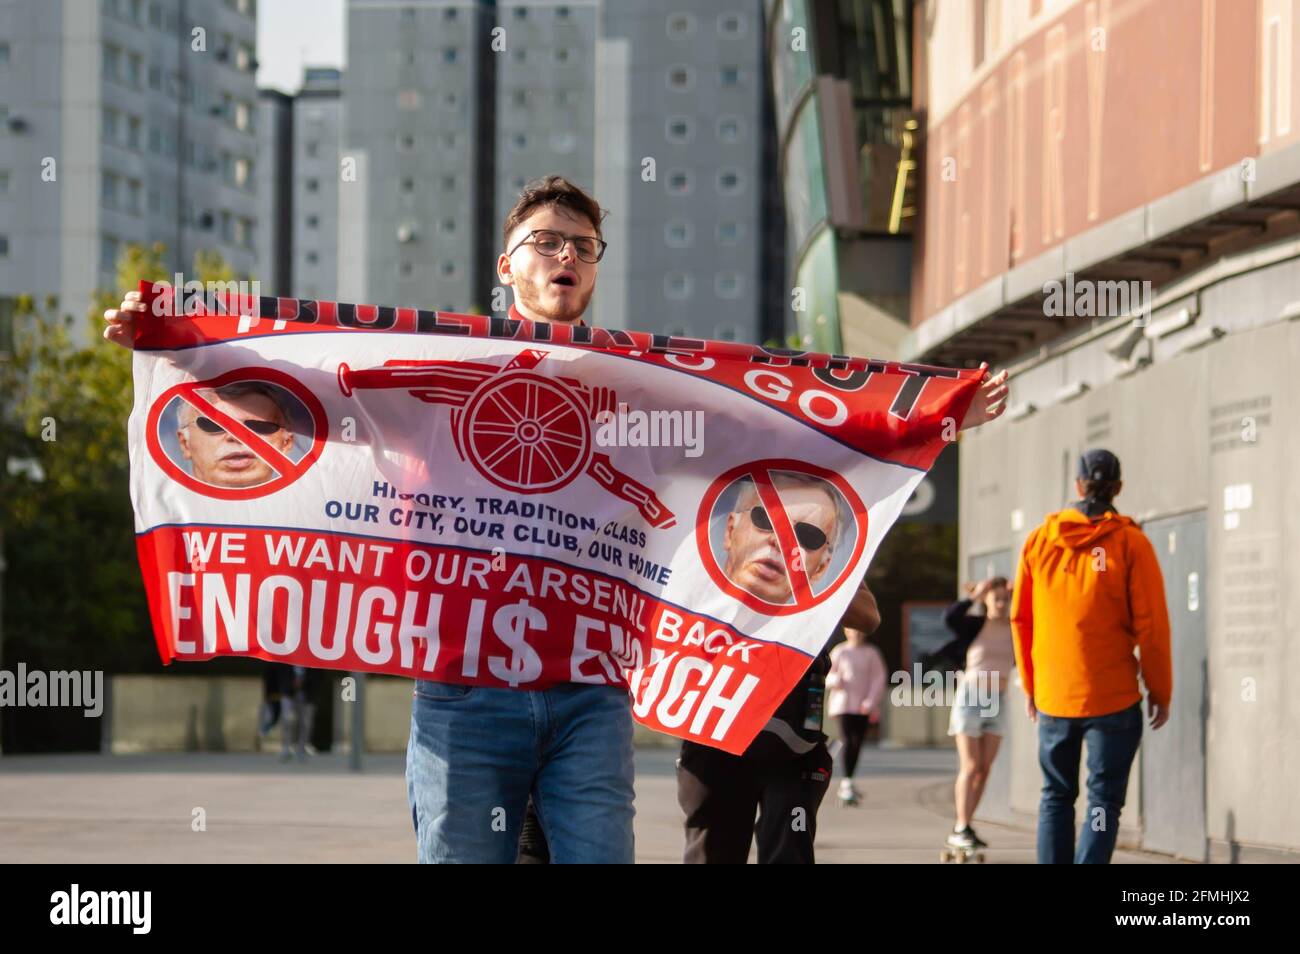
(853, 729)
(720, 794)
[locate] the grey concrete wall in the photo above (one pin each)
(1177, 426)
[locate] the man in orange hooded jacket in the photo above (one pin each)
(1088, 592)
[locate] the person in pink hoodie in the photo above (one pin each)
(857, 683)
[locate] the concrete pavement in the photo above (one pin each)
(212, 808)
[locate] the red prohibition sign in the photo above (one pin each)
(286, 469)
(761, 473)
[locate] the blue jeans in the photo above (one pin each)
(476, 753)
(1112, 743)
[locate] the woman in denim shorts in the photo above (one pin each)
(984, 652)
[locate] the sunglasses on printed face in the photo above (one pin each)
(810, 536)
(264, 428)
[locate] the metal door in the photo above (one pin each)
(1173, 758)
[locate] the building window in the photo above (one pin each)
(133, 196)
(732, 24)
(108, 190)
(678, 285)
(448, 269)
(519, 141)
(519, 97)
(729, 181)
(406, 142)
(680, 78)
(679, 182)
(408, 185)
(448, 183)
(681, 25)
(155, 77)
(312, 149)
(450, 14)
(561, 12)
(405, 269)
(562, 54)
(133, 128)
(312, 258)
(4, 246)
(313, 185)
(449, 54)
(448, 140)
(729, 233)
(678, 233)
(448, 226)
(449, 100)
(313, 221)
(111, 133)
(565, 97)
(4, 182)
(108, 253)
(520, 56)
(727, 284)
(679, 129)
(729, 129)
(409, 98)
(521, 13)
(155, 15)
(112, 64)
(729, 76)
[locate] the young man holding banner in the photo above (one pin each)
(477, 753)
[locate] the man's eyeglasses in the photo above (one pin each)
(264, 428)
(588, 248)
(810, 536)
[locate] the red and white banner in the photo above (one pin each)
(508, 503)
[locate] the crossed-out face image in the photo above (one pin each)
(203, 447)
(746, 545)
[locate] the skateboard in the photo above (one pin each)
(949, 854)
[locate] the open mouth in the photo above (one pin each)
(565, 280)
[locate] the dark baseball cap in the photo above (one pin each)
(1098, 464)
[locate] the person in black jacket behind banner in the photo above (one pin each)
(783, 775)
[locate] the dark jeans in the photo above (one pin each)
(721, 793)
(1112, 743)
(853, 729)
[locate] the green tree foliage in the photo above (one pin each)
(73, 596)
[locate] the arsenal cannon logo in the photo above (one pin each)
(523, 431)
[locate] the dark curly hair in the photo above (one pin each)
(552, 192)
